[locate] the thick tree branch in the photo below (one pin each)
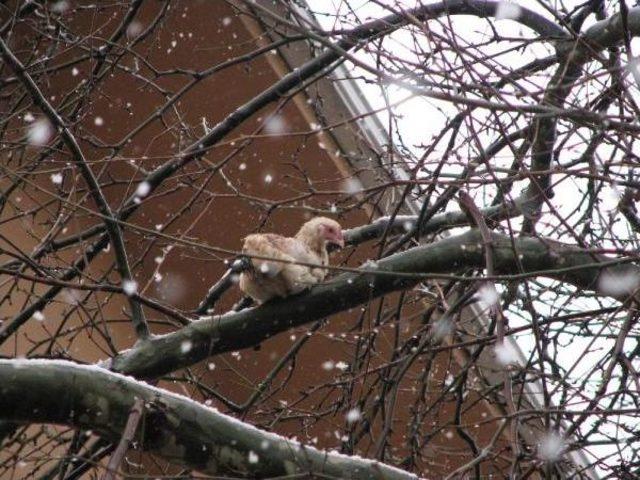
(174, 427)
(401, 271)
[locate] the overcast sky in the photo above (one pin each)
(418, 119)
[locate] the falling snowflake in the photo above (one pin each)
(611, 196)
(40, 132)
(134, 29)
(60, 6)
(488, 294)
(38, 316)
(506, 354)
(508, 11)
(130, 287)
(275, 125)
(268, 178)
(72, 297)
(618, 284)
(351, 186)
(328, 365)
(353, 415)
(342, 366)
(186, 346)
(551, 447)
(253, 457)
(143, 189)
(56, 178)
(98, 121)
(173, 287)
(264, 268)
(442, 328)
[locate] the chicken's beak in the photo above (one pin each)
(335, 243)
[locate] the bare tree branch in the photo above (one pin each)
(401, 271)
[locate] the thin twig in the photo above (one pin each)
(125, 442)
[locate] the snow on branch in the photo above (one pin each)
(174, 427)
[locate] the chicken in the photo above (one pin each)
(268, 279)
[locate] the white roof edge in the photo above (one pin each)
(357, 104)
